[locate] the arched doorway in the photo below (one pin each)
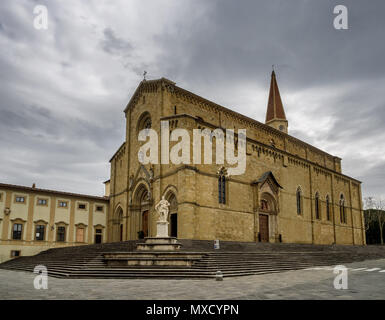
(267, 217)
(145, 223)
(173, 214)
(119, 223)
(142, 202)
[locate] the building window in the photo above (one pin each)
(1, 196)
(17, 231)
(144, 121)
(327, 208)
(82, 206)
(222, 189)
(61, 234)
(15, 253)
(299, 201)
(100, 208)
(39, 235)
(63, 204)
(343, 217)
(20, 199)
(317, 206)
(42, 202)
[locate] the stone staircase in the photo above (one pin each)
(232, 259)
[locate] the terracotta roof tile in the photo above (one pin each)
(274, 106)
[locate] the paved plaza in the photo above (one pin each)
(366, 280)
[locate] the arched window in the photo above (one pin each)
(222, 189)
(144, 121)
(327, 208)
(299, 200)
(222, 186)
(317, 206)
(342, 209)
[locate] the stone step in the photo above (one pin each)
(233, 259)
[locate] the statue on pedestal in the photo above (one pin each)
(162, 224)
(162, 209)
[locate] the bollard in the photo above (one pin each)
(219, 276)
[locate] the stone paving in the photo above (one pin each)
(367, 282)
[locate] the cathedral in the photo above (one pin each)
(290, 192)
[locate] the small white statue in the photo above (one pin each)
(162, 209)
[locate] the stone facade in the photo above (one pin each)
(290, 192)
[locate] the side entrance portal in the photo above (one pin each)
(264, 227)
(145, 223)
(174, 225)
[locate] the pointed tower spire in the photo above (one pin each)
(275, 115)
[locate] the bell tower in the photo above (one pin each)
(275, 115)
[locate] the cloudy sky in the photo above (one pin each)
(63, 90)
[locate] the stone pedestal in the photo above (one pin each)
(151, 259)
(162, 229)
(159, 244)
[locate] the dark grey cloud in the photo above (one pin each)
(241, 40)
(62, 91)
(112, 44)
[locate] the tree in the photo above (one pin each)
(375, 212)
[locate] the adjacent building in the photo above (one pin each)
(33, 220)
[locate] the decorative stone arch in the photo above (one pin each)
(170, 194)
(268, 203)
(144, 121)
(118, 213)
(268, 208)
(139, 185)
(118, 222)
